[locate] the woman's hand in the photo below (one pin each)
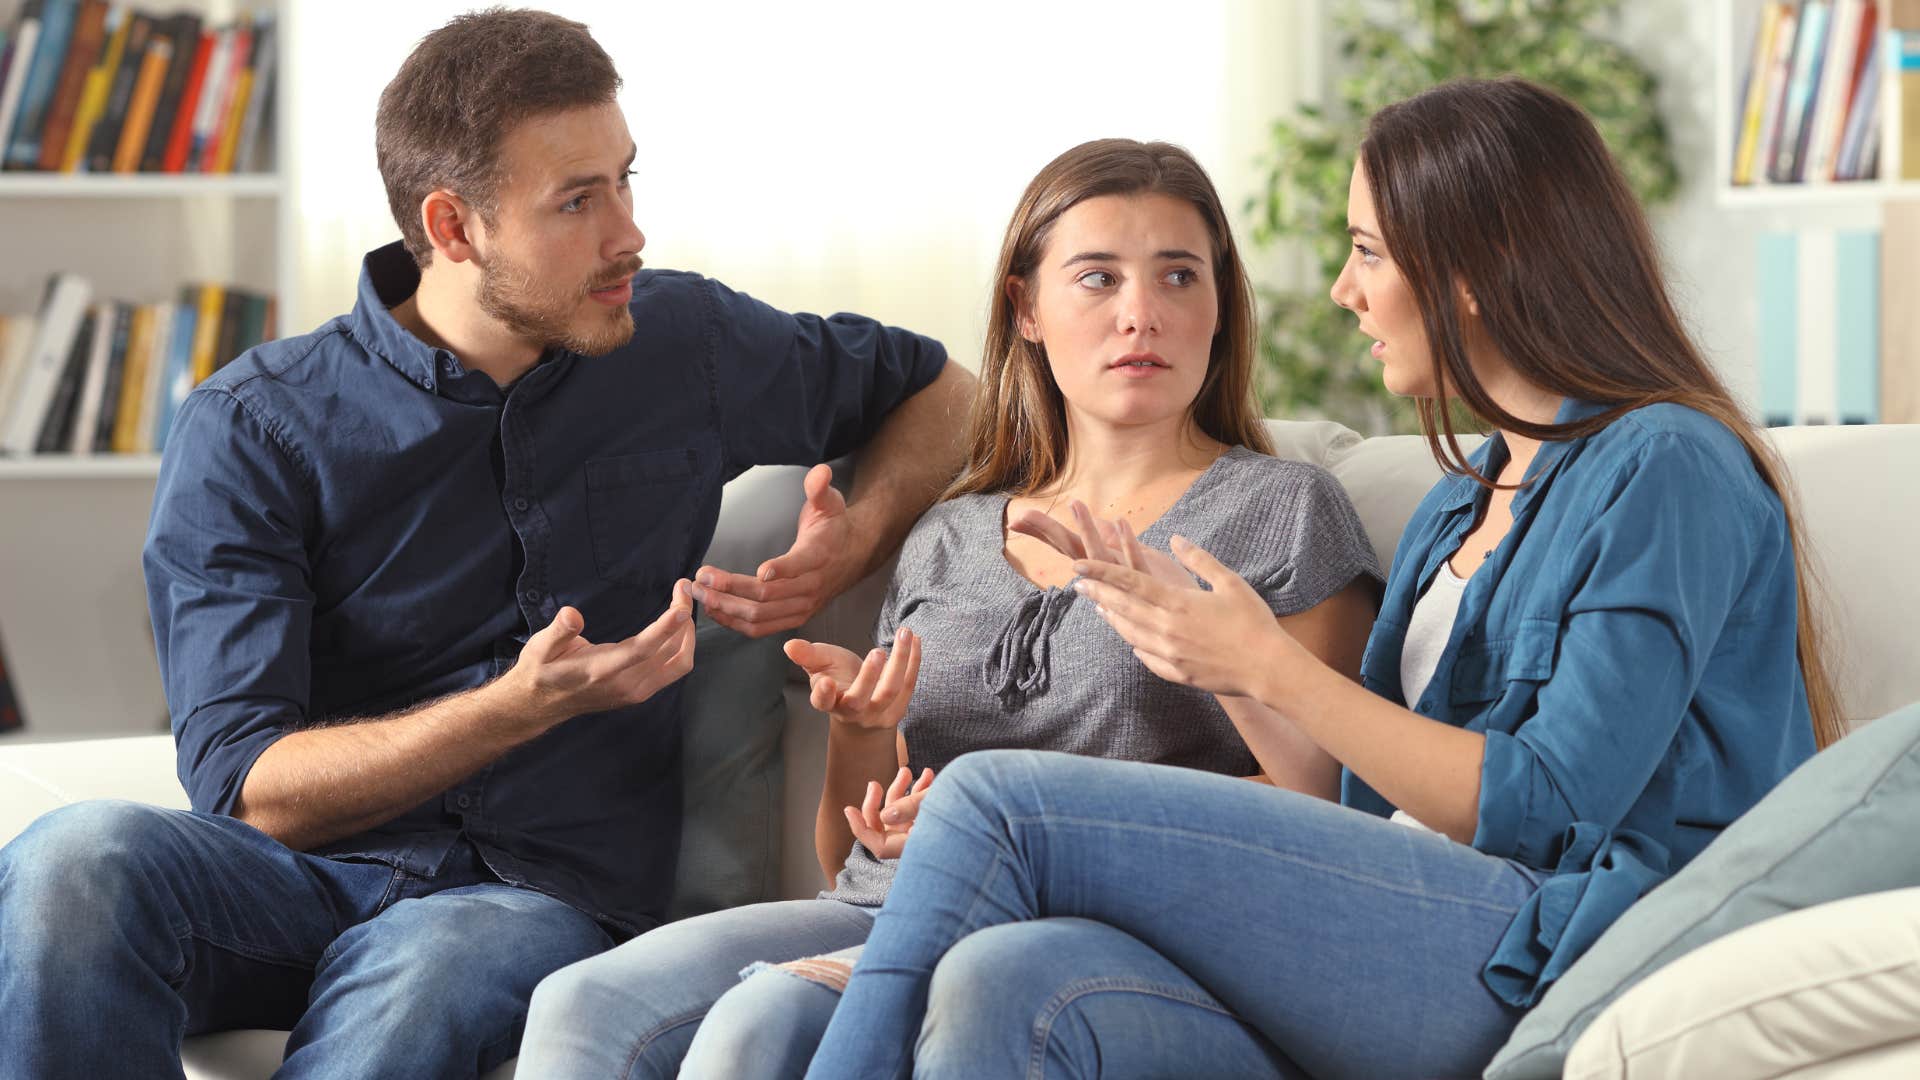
(1225, 641)
(1101, 541)
(882, 826)
(870, 693)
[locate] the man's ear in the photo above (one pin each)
(450, 223)
(1023, 319)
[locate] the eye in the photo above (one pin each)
(1367, 255)
(626, 178)
(576, 204)
(1183, 276)
(1095, 279)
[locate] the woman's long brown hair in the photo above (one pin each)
(1017, 436)
(1507, 188)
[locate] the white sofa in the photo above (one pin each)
(1856, 486)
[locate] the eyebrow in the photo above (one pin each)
(1355, 230)
(589, 179)
(1108, 256)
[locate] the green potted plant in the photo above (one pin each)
(1312, 361)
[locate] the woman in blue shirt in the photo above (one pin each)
(1594, 652)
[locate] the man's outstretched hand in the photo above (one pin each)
(786, 591)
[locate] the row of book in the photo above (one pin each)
(83, 377)
(93, 86)
(1826, 89)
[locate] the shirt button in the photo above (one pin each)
(520, 504)
(463, 802)
(531, 596)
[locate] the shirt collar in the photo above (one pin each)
(388, 275)
(1464, 491)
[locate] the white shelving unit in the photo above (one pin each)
(73, 617)
(1735, 24)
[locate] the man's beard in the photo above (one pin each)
(546, 313)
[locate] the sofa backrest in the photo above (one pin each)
(1858, 489)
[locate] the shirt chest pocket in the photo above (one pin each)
(640, 510)
(1484, 670)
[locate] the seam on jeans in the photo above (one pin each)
(1073, 992)
(647, 1038)
(189, 935)
(1397, 887)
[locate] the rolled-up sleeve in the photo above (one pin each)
(1659, 569)
(229, 593)
(799, 389)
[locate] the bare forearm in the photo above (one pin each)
(909, 460)
(317, 785)
(855, 756)
(1287, 757)
(1427, 768)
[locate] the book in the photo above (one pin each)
(213, 100)
(177, 381)
(26, 38)
(1747, 135)
(248, 156)
(140, 107)
(133, 378)
(1778, 69)
(1777, 282)
(180, 138)
(184, 31)
(105, 137)
(86, 416)
(61, 312)
(1830, 100)
(1809, 50)
(1909, 112)
(89, 38)
(159, 342)
(1863, 115)
(1899, 321)
(1856, 325)
(14, 343)
(93, 93)
(116, 376)
(206, 331)
(56, 31)
(227, 140)
(56, 427)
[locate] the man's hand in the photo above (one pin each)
(786, 591)
(561, 674)
(882, 828)
(870, 693)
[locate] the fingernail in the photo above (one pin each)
(1079, 586)
(891, 817)
(705, 579)
(1082, 567)
(1179, 541)
(681, 615)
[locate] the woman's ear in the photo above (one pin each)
(1023, 319)
(1467, 303)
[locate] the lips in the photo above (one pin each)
(1139, 360)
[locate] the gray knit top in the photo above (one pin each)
(1005, 663)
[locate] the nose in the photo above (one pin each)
(1345, 292)
(1139, 307)
(626, 237)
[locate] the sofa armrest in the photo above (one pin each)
(38, 777)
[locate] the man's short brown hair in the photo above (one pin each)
(444, 116)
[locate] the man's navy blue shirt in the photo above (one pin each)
(349, 522)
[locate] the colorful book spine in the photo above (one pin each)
(56, 32)
(247, 156)
(1778, 70)
(1747, 137)
(89, 38)
(140, 108)
(26, 39)
(93, 95)
(180, 138)
(105, 138)
(1809, 50)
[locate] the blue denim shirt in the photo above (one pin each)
(1629, 653)
(349, 522)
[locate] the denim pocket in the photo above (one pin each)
(640, 510)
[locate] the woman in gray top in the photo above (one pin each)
(1116, 383)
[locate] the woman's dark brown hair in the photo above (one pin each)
(1506, 188)
(442, 119)
(1017, 437)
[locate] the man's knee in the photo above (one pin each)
(78, 866)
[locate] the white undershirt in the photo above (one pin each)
(1427, 634)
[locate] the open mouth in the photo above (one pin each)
(1139, 361)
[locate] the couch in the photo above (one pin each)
(1856, 490)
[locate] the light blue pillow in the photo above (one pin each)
(730, 762)
(1840, 825)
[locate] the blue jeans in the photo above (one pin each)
(1208, 926)
(635, 1011)
(126, 927)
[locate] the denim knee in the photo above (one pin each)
(600, 1007)
(75, 872)
(768, 1026)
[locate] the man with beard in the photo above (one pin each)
(419, 586)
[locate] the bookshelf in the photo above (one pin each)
(72, 600)
(1736, 22)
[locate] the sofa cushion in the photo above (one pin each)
(1786, 993)
(1840, 825)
